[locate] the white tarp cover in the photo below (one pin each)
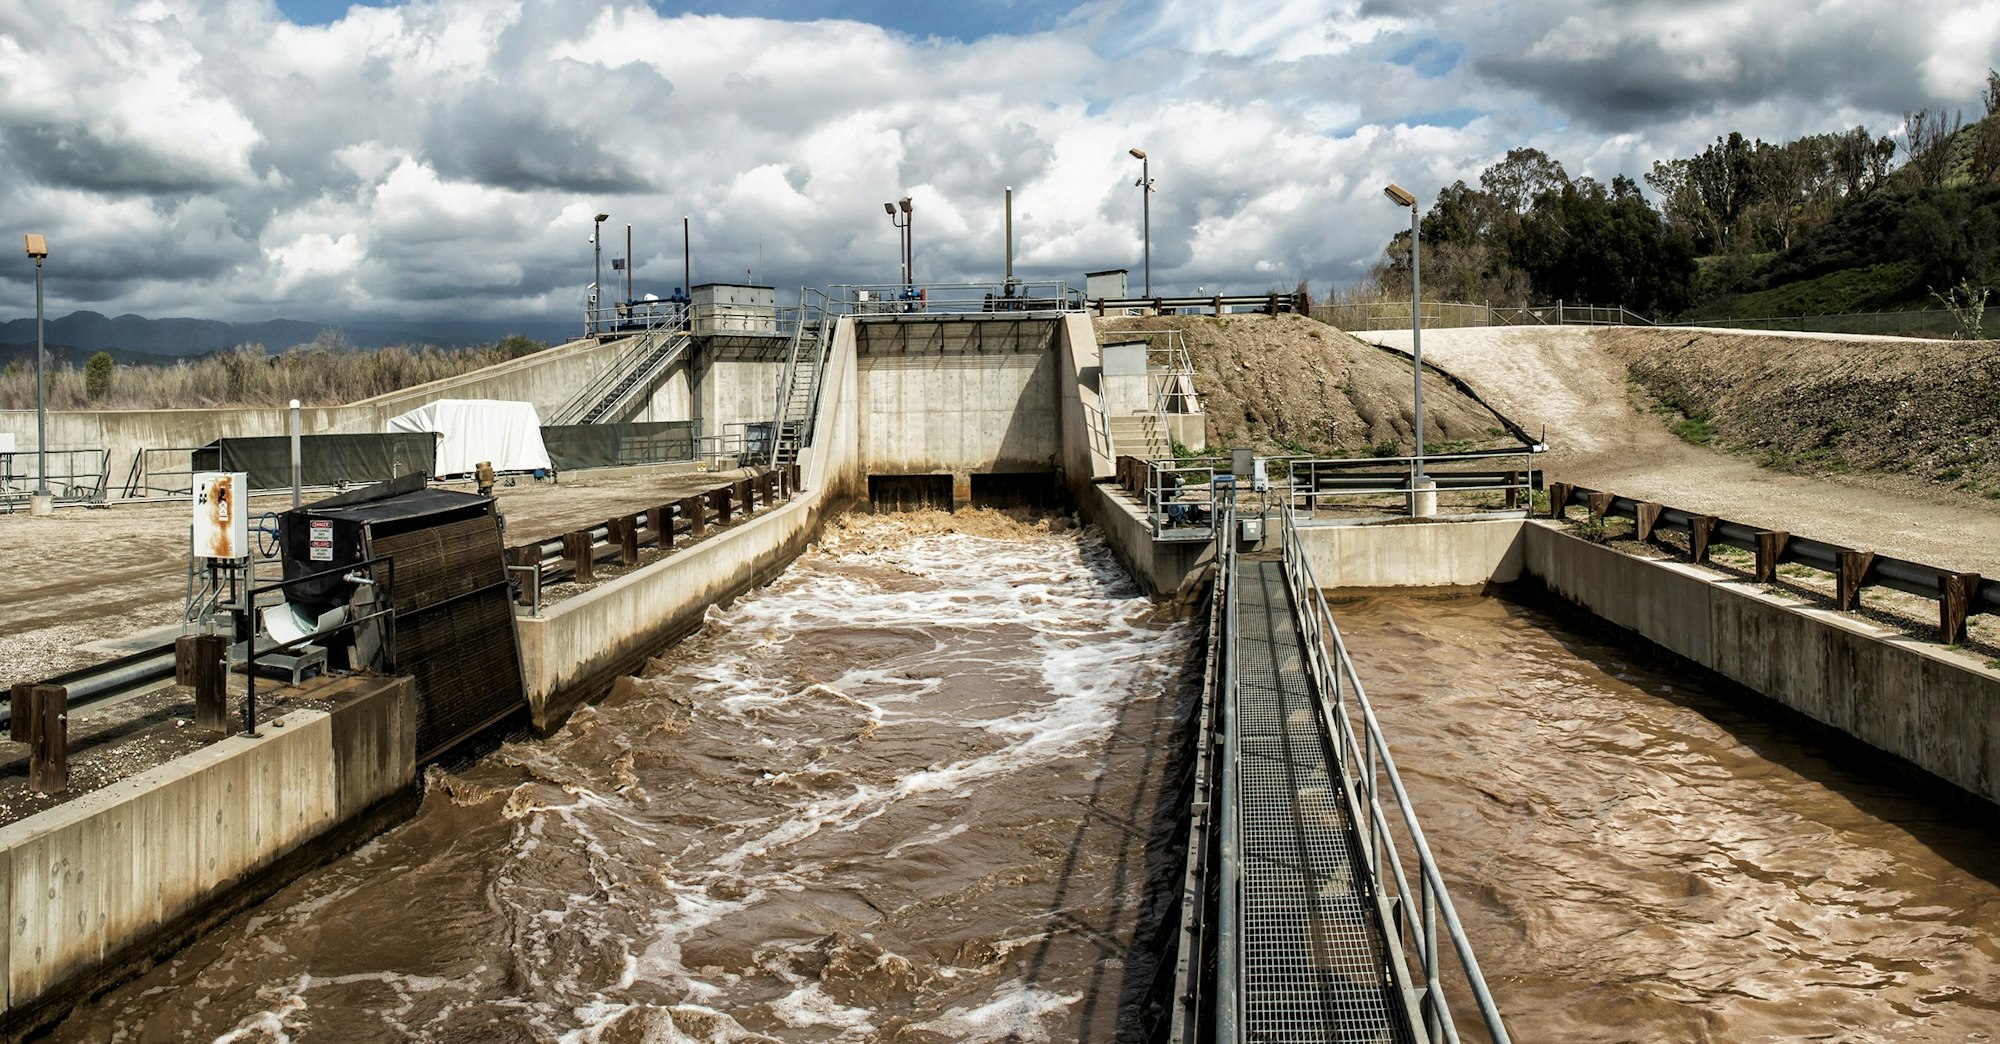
(509, 434)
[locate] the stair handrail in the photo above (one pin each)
(675, 316)
(643, 375)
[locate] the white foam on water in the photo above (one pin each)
(1094, 648)
(1016, 1013)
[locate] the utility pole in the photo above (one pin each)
(42, 503)
(1145, 184)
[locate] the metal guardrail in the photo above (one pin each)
(76, 476)
(1958, 594)
(1341, 700)
(1228, 956)
(892, 299)
(1199, 896)
(1179, 496)
(1216, 304)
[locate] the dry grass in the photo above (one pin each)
(317, 374)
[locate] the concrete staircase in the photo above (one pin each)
(1142, 435)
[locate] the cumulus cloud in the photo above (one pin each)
(443, 158)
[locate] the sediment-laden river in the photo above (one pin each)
(913, 791)
(1639, 858)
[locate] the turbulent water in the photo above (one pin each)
(911, 792)
(1639, 859)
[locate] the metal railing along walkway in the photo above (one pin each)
(1299, 919)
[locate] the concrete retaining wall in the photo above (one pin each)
(134, 869)
(546, 379)
(1934, 707)
(956, 397)
(1440, 554)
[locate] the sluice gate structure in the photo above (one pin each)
(1311, 909)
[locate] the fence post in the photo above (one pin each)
(744, 499)
(1648, 517)
(576, 548)
(48, 752)
(1853, 572)
(719, 496)
(1770, 547)
(209, 667)
(1559, 500)
(1955, 591)
(625, 532)
(660, 519)
(695, 508)
(21, 712)
(1600, 505)
(1701, 528)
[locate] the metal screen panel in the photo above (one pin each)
(455, 630)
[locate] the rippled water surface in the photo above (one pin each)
(910, 792)
(1640, 859)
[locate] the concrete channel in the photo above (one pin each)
(106, 882)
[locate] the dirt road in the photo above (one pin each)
(1559, 380)
(81, 577)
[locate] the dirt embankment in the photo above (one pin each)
(1289, 384)
(1929, 410)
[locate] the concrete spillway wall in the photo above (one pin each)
(118, 875)
(1934, 707)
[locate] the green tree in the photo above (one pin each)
(97, 376)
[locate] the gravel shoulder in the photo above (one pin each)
(78, 581)
(1568, 382)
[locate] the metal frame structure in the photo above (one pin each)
(81, 478)
(888, 301)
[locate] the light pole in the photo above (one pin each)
(1404, 198)
(38, 249)
(596, 269)
(900, 215)
(1145, 184)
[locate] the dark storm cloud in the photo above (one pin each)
(512, 143)
(71, 155)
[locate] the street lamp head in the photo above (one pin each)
(904, 203)
(38, 247)
(602, 218)
(889, 209)
(1138, 154)
(1403, 197)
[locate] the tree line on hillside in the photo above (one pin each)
(327, 372)
(1739, 218)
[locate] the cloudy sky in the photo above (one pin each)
(252, 159)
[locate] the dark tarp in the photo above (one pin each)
(573, 446)
(324, 460)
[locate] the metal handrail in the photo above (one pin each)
(1364, 789)
(975, 298)
(1228, 964)
(1173, 497)
(599, 386)
(66, 480)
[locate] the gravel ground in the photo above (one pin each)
(1559, 380)
(82, 578)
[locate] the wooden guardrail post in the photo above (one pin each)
(1701, 530)
(1559, 499)
(1955, 591)
(1513, 490)
(625, 534)
(21, 712)
(794, 470)
(1851, 574)
(1770, 547)
(209, 655)
(695, 509)
(660, 519)
(743, 498)
(48, 747)
(765, 484)
(576, 548)
(1648, 516)
(528, 556)
(1600, 505)
(719, 496)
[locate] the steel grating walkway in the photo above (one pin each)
(1313, 959)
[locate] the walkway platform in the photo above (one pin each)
(1314, 963)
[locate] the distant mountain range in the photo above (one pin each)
(135, 338)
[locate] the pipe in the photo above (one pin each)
(295, 455)
(41, 405)
(1010, 238)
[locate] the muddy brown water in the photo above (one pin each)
(910, 792)
(914, 791)
(1639, 858)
